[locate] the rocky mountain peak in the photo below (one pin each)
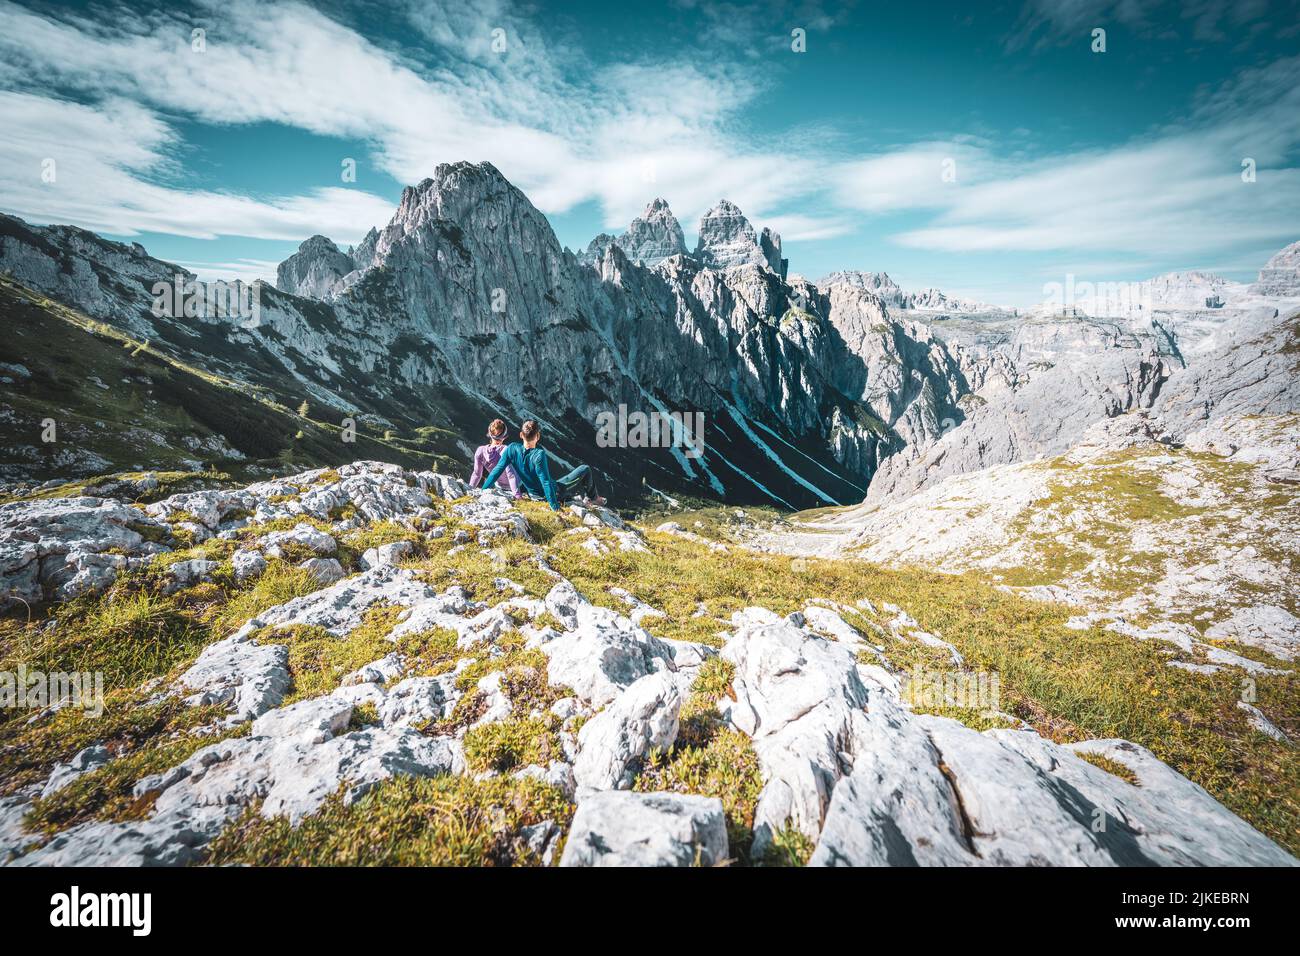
(654, 235)
(727, 239)
(449, 193)
(889, 292)
(877, 282)
(315, 271)
(657, 209)
(318, 243)
(364, 252)
(465, 212)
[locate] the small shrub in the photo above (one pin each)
(510, 744)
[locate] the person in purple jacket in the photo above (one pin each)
(487, 456)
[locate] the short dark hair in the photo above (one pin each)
(530, 430)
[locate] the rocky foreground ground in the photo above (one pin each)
(381, 665)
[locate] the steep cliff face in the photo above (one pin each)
(108, 280)
(1251, 369)
(1255, 371)
(1281, 275)
(727, 239)
(1042, 417)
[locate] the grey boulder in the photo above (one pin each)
(621, 828)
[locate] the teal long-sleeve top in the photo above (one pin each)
(533, 470)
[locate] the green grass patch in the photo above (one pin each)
(1113, 767)
(444, 821)
(106, 793)
(511, 744)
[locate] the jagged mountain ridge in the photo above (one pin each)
(466, 306)
(927, 300)
(650, 238)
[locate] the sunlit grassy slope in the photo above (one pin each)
(122, 405)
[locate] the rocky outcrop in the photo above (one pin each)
(849, 765)
(642, 718)
(63, 547)
(294, 774)
(315, 271)
(888, 291)
(843, 760)
(646, 829)
(602, 654)
(1186, 290)
(1280, 277)
(800, 698)
(244, 676)
(1254, 371)
(978, 788)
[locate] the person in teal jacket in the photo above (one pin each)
(530, 464)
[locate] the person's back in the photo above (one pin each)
(533, 469)
(486, 458)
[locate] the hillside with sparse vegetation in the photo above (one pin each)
(487, 669)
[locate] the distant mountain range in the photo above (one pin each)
(465, 307)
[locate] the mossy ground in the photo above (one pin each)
(448, 821)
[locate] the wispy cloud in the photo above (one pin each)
(1178, 189)
(245, 270)
(625, 133)
(99, 166)
(1045, 23)
(489, 82)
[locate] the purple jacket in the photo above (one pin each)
(485, 459)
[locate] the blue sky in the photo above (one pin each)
(1110, 166)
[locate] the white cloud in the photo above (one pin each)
(662, 123)
(563, 144)
(245, 270)
(801, 228)
(105, 159)
(1178, 190)
(916, 176)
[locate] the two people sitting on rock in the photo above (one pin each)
(529, 463)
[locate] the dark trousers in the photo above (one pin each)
(580, 481)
